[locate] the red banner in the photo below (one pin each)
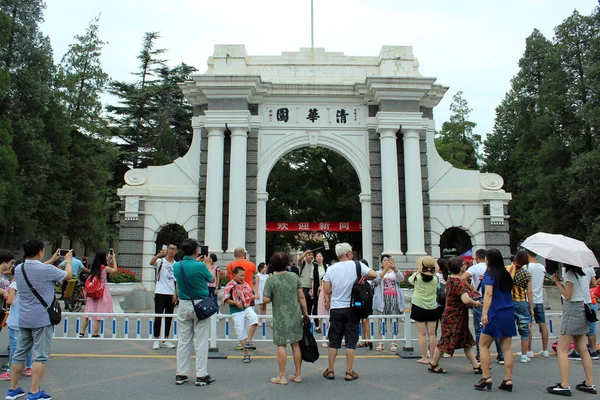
(314, 227)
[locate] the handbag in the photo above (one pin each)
(308, 344)
(589, 313)
(54, 310)
(204, 308)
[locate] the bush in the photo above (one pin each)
(122, 275)
(224, 280)
(404, 284)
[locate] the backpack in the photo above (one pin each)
(440, 294)
(93, 287)
(361, 300)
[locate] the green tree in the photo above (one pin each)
(456, 142)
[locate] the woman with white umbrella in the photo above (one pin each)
(573, 329)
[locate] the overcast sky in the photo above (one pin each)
(468, 45)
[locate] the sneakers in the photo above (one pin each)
(14, 394)
(168, 345)
(239, 347)
(593, 354)
(156, 345)
(544, 353)
(530, 354)
(5, 376)
(585, 388)
(27, 372)
(205, 380)
(41, 395)
(557, 389)
(6, 367)
(181, 379)
(500, 360)
(574, 355)
(525, 359)
(250, 346)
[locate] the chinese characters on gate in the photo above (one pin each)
(319, 115)
(314, 226)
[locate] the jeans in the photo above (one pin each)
(522, 318)
(193, 334)
(13, 336)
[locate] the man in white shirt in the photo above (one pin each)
(474, 274)
(337, 285)
(165, 293)
(537, 272)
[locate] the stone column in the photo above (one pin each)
(414, 193)
(390, 197)
(237, 189)
(261, 225)
(367, 240)
(213, 225)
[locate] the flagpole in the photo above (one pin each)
(312, 26)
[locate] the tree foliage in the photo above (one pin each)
(546, 135)
(456, 142)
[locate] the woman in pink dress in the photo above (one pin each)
(102, 304)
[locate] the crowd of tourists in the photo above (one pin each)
(505, 300)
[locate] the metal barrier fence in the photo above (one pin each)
(131, 326)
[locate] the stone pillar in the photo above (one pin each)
(213, 226)
(261, 225)
(367, 240)
(390, 196)
(237, 189)
(414, 193)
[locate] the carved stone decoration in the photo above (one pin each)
(313, 139)
(496, 212)
(136, 177)
(491, 181)
(132, 208)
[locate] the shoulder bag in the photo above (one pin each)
(54, 310)
(204, 308)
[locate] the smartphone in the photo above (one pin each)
(63, 252)
(326, 245)
(111, 252)
(547, 275)
(165, 247)
(204, 251)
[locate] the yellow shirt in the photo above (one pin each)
(521, 278)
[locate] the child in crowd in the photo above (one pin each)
(239, 295)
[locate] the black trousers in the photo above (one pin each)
(311, 304)
(163, 304)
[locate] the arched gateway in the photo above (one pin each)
(252, 110)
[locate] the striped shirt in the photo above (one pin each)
(521, 277)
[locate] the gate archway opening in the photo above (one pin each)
(170, 233)
(313, 185)
(454, 241)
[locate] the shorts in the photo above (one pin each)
(522, 318)
(539, 314)
(242, 320)
(38, 339)
(343, 324)
(592, 330)
(423, 315)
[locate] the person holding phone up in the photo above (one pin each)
(165, 293)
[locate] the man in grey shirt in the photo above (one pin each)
(35, 329)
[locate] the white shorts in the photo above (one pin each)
(243, 320)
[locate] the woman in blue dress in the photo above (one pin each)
(497, 319)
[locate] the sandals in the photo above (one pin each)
(351, 375)
(360, 345)
(246, 359)
(478, 371)
(328, 374)
(276, 380)
(394, 348)
(294, 378)
(380, 346)
(436, 369)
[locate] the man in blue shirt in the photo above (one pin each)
(77, 266)
(192, 331)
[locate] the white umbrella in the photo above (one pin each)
(562, 249)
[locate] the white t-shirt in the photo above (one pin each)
(165, 280)
(581, 285)
(537, 281)
(342, 276)
(477, 271)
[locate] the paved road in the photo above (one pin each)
(111, 370)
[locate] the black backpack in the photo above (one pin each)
(361, 300)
